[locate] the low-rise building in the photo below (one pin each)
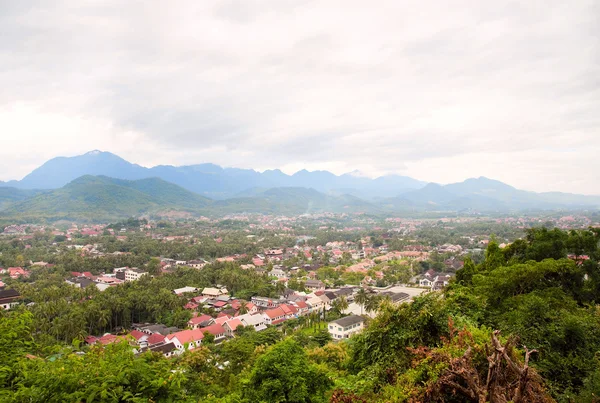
(129, 274)
(314, 285)
(214, 292)
(345, 327)
(9, 299)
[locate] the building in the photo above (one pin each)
(278, 273)
(314, 285)
(197, 264)
(216, 330)
(129, 274)
(264, 302)
(189, 339)
(80, 282)
(183, 290)
(8, 299)
(257, 321)
(231, 326)
(274, 316)
(344, 328)
(200, 321)
(214, 292)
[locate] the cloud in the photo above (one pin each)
(502, 89)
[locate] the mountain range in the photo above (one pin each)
(210, 180)
(100, 186)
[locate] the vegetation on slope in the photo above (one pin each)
(522, 326)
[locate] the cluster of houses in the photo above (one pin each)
(102, 282)
(229, 315)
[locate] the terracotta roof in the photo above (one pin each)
(108, 339)
(155, 338)
(137, 334)
(215, 329)
(222, 319)
(199, 319)
(234, 323)
(275, 312)
(186, 336)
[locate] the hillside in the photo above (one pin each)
(292, 200)
(10, 195)
(486, 195)
(99, 198)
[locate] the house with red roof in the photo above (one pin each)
(197, 321)
(192, 306)
(302, 307)
(91, 340)
(155, 338)
(16, 272)
(140, 337)
(222, 319)
(216, 330)
(274, 316)
(231, 325)
(252, 309)
(291, 311)
(189, 339)
(108, 339)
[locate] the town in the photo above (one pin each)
(331, 270)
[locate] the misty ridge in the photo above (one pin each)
(102, 186)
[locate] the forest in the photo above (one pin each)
(522, 326)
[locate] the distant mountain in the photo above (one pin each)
(100, 198)
(210, 180)
(486, 195)
(61, 170)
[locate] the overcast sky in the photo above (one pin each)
(437, 90)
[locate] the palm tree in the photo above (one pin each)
(340, 304)
(243, 308)
(372, 303)
(361, 298)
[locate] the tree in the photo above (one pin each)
(372, 303)
(466, 273)
(340, 304)
(361, 298)
(284, 374)
(153, 266)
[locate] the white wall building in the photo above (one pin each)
(345, 327)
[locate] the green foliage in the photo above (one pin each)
(103, 374)
(383, 345)
(283, 374)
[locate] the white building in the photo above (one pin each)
(345, 327)
(134, 274)
(257, 321)
(278, 273)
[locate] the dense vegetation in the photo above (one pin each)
(439, 348)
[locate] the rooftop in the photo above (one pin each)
(349, 320)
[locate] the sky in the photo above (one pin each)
(437, 90)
